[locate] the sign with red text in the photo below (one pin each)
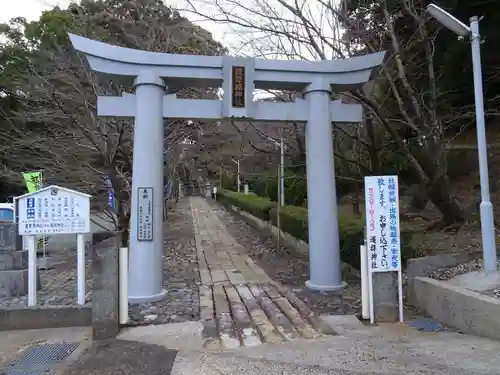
(383, 238)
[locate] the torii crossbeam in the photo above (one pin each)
(151, 72)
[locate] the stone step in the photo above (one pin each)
(246, 315)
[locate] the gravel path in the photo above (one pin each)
(181, 276)
(287, 267)
(180, 279)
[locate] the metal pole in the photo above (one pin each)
(238, 177)
(486, 208)
(220, 173)
(282, 173)
(278, 214)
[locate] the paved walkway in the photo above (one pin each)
(239, 303)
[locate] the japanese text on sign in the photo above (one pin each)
(54, 210)
(238, 87)
(145, 209)
(382, 223)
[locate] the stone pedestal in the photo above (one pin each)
(13, 263)
(105, 289)
(385, 297)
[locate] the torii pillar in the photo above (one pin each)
(150, 72)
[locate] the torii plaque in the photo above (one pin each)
(151, 72)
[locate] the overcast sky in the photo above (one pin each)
(31, 9)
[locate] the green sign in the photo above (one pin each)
(33, 181)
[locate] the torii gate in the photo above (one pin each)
(151, 72)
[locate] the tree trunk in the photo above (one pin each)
(439, 192)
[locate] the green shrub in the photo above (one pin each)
(295, 189)
(258, 186)
(250, 203)
(294, 220)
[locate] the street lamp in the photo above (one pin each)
(486, 208)
(237, 162)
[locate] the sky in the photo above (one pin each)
(32, 9)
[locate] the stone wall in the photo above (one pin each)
(102, 315)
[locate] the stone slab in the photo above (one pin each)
(385, 297)
(477, 281)
(42, 317)
(14, 283)
(13, 260)
(9, 240)
(468, 311)
(105, 289)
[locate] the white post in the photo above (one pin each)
(486, 207)
(365, 295)
(324, 252)
(146, 257)
(123, 277)
(32, 271)
(245, 187)
(282, 177)
(80, 269)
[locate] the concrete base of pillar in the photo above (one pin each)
(325, 288)
(135, 300)
(385, 297)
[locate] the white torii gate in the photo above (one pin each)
(151, 72)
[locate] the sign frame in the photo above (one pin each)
(71, 216)
(388, 211)
(141, 236)
(238, 86)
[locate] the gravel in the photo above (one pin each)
(180, 278)
(450, 272)
(58, 282)
(474, 265)
(181, 275)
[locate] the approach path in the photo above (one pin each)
(239, 303)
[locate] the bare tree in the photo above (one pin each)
(405, 101)
(60, 132)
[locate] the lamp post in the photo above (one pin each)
(237, 162)
(281, 145)
(486, 208)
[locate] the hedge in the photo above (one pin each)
(250, 203)
(293, 220)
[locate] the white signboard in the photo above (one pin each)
(383, 238)
(54, 210)
(382, 223)
(145, 209)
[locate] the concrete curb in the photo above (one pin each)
(290, 241)
(468, 311)
(41, 317)
(424, 266)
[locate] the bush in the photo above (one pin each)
(250, 203)
(295, 190)
(294, 220)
